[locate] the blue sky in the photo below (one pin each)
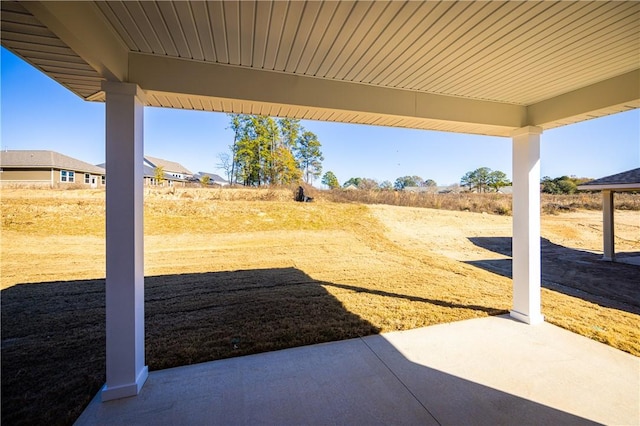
(38, 113)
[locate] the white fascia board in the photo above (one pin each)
(81, 27)
(611, 187)
(180, 76)
(621, 90)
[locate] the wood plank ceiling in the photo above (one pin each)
(510, 52)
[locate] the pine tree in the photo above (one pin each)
(309, 156)
(274, 152)
(329, 179)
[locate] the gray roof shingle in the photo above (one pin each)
(150, 172)
(168, 166)
(625, 180)
(46, 159)
(214, 177)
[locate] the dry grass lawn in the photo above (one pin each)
(236, 272)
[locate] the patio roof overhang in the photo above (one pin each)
(624, 181)
(616, 187)
(502, 68)
(471, 67)
(620, 182)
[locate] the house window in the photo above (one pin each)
(87, 178)
(67, 176)
(103, 179)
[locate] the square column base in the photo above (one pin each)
(125, 391)
(527, 319)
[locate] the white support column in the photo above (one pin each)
(526, 225)
(126, 369)
(607, 226)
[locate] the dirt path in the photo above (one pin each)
(571, 248)
(441, 231)
(449, 233)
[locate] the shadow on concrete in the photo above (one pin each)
(363, 381)
(574, 272)
(53, 344)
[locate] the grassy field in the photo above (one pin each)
(229, 273)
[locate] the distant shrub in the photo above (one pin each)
(562, 184)
(493, 203)
(489, 203)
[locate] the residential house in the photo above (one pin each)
(214, 179)
(450, 189)
(47, 169)
(421, 189)
(174, 174)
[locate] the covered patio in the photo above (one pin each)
(485, 371)
(510, 69)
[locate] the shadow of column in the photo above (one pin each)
(574, 272)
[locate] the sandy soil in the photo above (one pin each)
(449, 233)
(571, 248)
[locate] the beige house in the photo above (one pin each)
(47, 169)
(174, 174)
(214, 179)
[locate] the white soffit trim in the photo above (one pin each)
(193, 78)
(81, 27)
(622, 91)
(208, 103)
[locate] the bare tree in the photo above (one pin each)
(368, 184)
(226, 164)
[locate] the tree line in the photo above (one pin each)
(480, 180)
(331, 181)
(484, 179)
(562, 184)
(268, 151)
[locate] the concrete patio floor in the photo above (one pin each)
(485, 371)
